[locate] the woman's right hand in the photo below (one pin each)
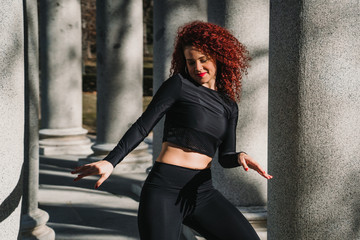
(248, 162)
(102, 168)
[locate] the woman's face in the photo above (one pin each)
(201, 68)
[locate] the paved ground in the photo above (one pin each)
(77, 211)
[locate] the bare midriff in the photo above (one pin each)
(180, 156)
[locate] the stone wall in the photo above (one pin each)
(314, 120)
(12, 116)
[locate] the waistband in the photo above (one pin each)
(177, 177)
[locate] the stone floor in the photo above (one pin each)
(78, 211)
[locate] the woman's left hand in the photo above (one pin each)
(102, 168)
(248, 162)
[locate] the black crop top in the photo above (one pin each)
(197, 118)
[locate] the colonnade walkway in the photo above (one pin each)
(80, 212)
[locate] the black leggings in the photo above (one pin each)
(173, 195)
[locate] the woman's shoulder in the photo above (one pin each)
(171, 87)
(176, 80)
(229, 104)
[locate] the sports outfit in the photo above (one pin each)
(202, 120)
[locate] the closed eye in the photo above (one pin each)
(203, 60)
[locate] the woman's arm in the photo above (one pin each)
(164, 98)
(228, 157)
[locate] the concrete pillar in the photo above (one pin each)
(33, 219)
(61, 77)
(249, 22)
(119, 78)
(12, 116)
(314, 120)
(169, 15)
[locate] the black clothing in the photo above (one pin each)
(202, 120)
(197, 118)
(174, 195)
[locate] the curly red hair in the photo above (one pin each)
(232, 58)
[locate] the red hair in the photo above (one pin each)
(232, 58)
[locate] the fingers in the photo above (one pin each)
(81, 168)
(86, 170)
(100, 181)
(261, 171)
(103, 168)
(86, 173)
(265, 175)
(246, 161)
(78, 178)
(243, 161)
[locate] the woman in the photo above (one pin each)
(201, 116)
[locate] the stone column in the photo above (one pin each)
(33, 219)
(314, 120)
(61, 77)
(169, 15)
(12, 116)
(249, 22)
(119, 78)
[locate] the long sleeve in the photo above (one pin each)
(228, 157)
(164, 98)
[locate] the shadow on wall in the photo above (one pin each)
(10, 54)
(240, 187)
(9, 205)
(217, 14)
(11, 90)
(250, 187)
(230, 181)
(354, 192)
(123, 11)
(9, 59)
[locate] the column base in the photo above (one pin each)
(33, 226)
(136, 162)
(69, 141)
(257, 216)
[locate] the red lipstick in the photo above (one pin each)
(201, 74)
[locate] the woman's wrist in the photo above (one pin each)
(239, 155)
(242, 152)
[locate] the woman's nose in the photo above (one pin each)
(198, 66)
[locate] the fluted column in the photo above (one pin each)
(12, 116)
(119, 78)
(61, 79)
(314, 120)
(169, 15)
(33, 219)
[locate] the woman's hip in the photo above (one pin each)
(174, 178)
